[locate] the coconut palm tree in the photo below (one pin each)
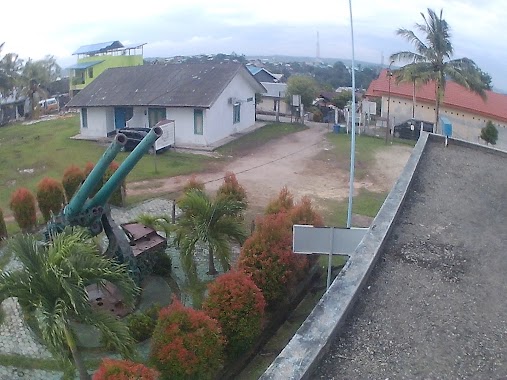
(51, 287)
(412, 74)
(212, 223)
(432, 58)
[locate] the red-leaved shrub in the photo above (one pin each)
(50, 197)
(238, 305)
(193, 183)
(267, 254)
(231, 188)
(3, 227)
(117, 197)
(186, 344)
(111, 369)
(73, 176)
(23, 206)
(284, 202)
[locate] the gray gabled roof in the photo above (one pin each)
(168, 85)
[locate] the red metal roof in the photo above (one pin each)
(456, 96)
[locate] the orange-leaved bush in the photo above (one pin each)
(186, 344)
(22, 205)
(284, 202)
(73, 176)
(231, 189)
(112, 369)
(268, 258)
(117, 197)
(267, 255)
(50, 197)
(193, 183)
(238, 305)
(3, 227)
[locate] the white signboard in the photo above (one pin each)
(167, 138)
(296, 100)
(339, 241)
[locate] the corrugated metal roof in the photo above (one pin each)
(98, 48)
(254, 70)
(84, 65)
(456, 96)
(169, 85)
(134, 46)
(275, 89)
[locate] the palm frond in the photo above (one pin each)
(464, 72)
(411, 37)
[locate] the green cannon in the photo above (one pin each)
(93, 212)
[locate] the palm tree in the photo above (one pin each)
(414, 75)
(432, 58)
(51, 285)
(213, 223)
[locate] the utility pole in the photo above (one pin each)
(390, 74)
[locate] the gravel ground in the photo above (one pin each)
(434, 307)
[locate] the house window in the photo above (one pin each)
(198, 122)
(155, 115)
(249, 99)
(90, 72)
(236, 113)
(84, 117)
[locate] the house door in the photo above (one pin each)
(121, 115)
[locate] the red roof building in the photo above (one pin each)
(466, 110)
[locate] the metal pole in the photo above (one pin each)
(353, 141)
(330, 260)
(390, 74)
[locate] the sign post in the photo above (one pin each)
(308, 240)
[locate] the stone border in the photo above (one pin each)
(311, 342)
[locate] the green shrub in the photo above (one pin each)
(73, 176)
(50, 197)
(186, 344)
(163, 264)
(22, 205)
(489, 133)
(141, 326)
(3, 227)
(112, 369)
(238, 305)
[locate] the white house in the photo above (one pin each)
(207, 101)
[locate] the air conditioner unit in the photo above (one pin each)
(231, 101)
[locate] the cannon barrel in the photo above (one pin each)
(124, 169)
(76, 203)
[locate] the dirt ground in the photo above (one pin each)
(291, 161)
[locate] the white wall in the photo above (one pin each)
(100, 122)
(218, 122)
(465, 125)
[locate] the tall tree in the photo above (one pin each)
(212, 223)
(302, 85)
(416, 76)
(432, 58)
(51, 285)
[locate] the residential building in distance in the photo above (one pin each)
(94, 59)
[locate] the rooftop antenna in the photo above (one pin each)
(318, 47)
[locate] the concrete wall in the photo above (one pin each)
(465, 125)
(267, 105)
(100, 121)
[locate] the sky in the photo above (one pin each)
(260, 27)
